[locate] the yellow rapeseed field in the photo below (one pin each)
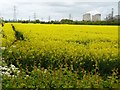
(54, 43)
(71, 51)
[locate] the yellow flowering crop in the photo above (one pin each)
(59, 44)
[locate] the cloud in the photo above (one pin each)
(94, 12)
(56, 4)
(57, 9)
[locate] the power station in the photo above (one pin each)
(87, 17)
(96, 17)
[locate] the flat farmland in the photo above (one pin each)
(55, 56)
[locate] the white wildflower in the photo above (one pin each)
(18, 72)
(6, 73)
(3, 72)
(16, 68)
(10, 51)
(13, 75)
(3, 48)
(4, 68)
(45, 71)
(9, 75)
(14, 46)
(12, 66)
(8, 69)
(27, 75)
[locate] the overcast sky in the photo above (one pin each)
(56, 9)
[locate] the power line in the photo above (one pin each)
(29, 18)
(49, 18)
(35, 16)
(14, 13)
(119, 8)
(70, 16)
(112, 13)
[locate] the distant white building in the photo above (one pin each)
(96, 17)
(87, 17)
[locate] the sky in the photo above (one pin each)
(56, 9)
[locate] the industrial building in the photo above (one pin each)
(87, 17)
(96, 17)
(116, 17)
(110, 16)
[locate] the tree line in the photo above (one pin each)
(68, 21)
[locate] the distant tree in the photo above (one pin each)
(37, 21)
(66, 21)
(25, 21)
